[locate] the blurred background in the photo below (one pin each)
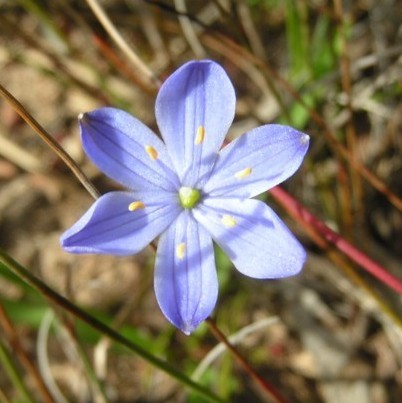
(330, 68)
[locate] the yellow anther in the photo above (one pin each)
(199, 138)
(228, 221)
(153, 154)
(136, 205)
(243, 173)
(181, 250)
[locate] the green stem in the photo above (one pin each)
(56, 298)
(11, 369)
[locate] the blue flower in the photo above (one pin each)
(189, 193)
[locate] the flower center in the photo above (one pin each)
(189, 197)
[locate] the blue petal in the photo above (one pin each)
(109, 227)
(194, 110)
(126, 150)
(253, 236)
(186, 284)
(257, 161)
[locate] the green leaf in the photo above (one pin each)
(322, 54)
(25, 312)
(297, 39)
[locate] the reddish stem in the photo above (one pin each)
(299, 212)
(270, 390)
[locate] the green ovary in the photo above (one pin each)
(189, 197)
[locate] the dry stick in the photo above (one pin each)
(188, 30)
(344, 196)
(354, 203)
(301, 214)
(151, 28)
(19, 350)
(231, 50)
(274, 394)
(50, 141)
(69, 10)
(152, 80)
(123, 68)
(246, 20)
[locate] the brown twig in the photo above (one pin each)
(352, 204)
(269, 390)
(109, 27)
(50, 141)
(120, 65)
(20, 352)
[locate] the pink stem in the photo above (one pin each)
(303, 215)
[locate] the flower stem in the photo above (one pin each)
(302, 215)
(272, 392)
(64, 303)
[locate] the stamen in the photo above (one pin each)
(228, 221)
(243, 173)
(136, 205)
(181, 250)
(153, 154)
(199, 138)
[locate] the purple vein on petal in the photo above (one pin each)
(143, 218)
(167, 173)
